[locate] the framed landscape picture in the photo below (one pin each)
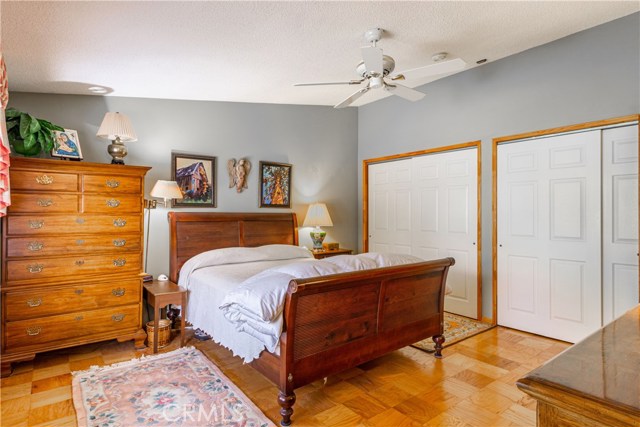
(66, 144)
(275, 185)
(195, 176)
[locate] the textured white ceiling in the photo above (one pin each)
(255, 51)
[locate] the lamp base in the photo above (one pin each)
(117, 162)
(118, 151)
(317, 236)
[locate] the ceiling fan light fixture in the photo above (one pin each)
(376, 82)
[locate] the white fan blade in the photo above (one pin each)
(404, 92)
(372, 59)
(350, 82)
(352, 98)
(432, 70)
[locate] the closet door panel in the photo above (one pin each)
(620, 221)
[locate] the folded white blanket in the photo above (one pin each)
(255, 307)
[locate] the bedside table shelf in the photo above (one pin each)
(322, 253)
(160, 294)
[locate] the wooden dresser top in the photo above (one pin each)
(604, 368)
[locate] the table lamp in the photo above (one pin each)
(117, 128)
(317, 216)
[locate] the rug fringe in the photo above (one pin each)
(101, 368)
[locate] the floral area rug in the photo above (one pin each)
(179, 388)
(456, 329)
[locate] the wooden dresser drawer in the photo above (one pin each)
(43, 181)
(22, 305)
(31, 332)
(41, 224)
(111, 203)
(43, 202)
(73, 267)
(112, 184)
(40, 246)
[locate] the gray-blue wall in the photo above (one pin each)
(320, 143)
(588, 76)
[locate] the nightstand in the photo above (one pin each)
(161, 293)
(322, 253)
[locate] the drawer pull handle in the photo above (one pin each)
(79, 220)
(44, 179)
(80, 262)
(118, 292)
(33, 330)
(79, 242)
(79, 318)
(117, 317)
(35, 246)
(44, 203)
(112, 183)
(35, 302)
(35, 268)
(79, 291)
(113, 203)
(35, 224)
(120, 262)
(119, 222)
(119, 242)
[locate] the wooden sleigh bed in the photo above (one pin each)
(332, 323)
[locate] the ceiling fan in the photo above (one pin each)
(375, 69)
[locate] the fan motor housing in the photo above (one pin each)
(388, 64)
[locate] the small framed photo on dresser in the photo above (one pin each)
(66, 144)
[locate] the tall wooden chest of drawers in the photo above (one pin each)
(71, 256)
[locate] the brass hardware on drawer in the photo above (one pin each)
(79, 220)
(35, 268)
(117, 317)
(44, 179)
(120, 262)
(35, 246)
(112, 183)
(80, 262)
(119, 242)
(33, 330)
(113, 203)
(119, 222)
(118, 292)
(79, 318)
(35, 302)
(79, 291)
(35, 224)
(44, 203)
(79, 242)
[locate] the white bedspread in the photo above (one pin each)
(250, 285)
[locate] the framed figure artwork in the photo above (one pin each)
(66, 145)
(195, 176)
(275, 185)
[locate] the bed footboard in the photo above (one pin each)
(337, 322)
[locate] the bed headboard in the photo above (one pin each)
(191, 233)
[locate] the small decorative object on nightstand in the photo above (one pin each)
(159, 294)
(322, 253)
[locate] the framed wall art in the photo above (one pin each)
(66, 144)
(275, 185)
(196, 177)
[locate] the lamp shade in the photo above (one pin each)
(166, 190)
(117, 125)
(317, 216)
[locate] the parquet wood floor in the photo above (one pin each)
(473, 385)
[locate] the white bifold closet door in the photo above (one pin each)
(567, 231)
(549, 234)
(427, 206)
(620, 221)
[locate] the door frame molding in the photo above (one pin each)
(365, 199)
(494, 185)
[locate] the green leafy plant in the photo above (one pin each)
(28, 135)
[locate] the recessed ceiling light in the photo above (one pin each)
(97, 89)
